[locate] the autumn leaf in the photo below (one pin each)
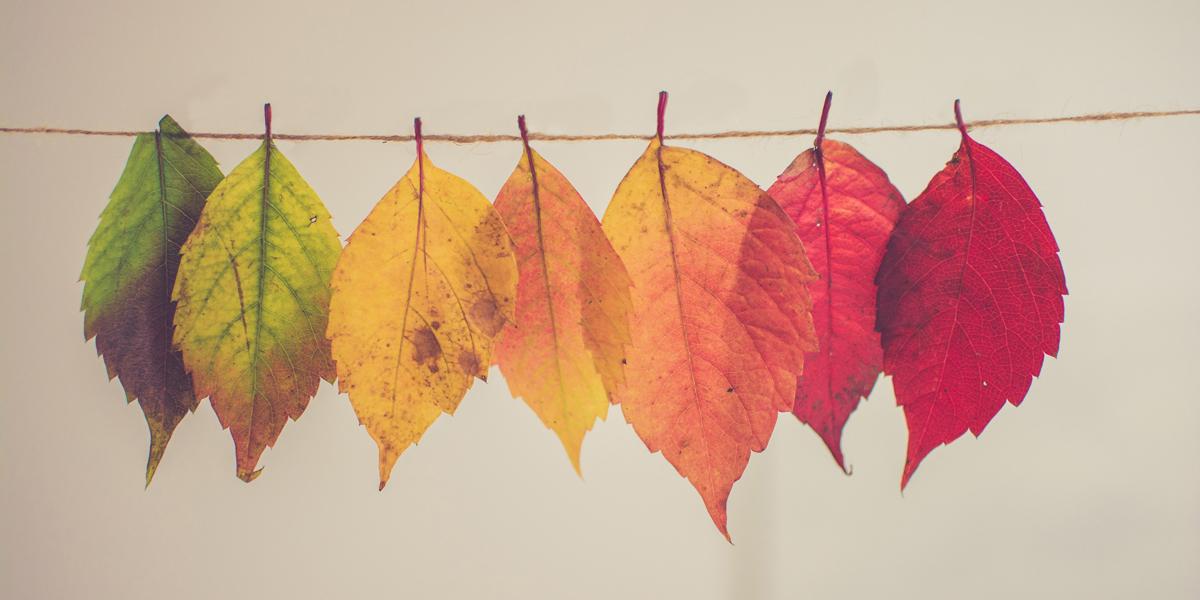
(721, 313)
(130, 267)
(253, 294)
(426, 282)
(563, 353)
(844, 208)
(970, 298)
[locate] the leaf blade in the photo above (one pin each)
(572, 308)
(970, 299)
(253, 299)
(425, 283)
(676, 220)
(844, 216)
(131, 267)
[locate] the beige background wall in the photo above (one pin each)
(1091, 489)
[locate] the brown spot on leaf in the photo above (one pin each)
(426, 348)
(468, 362)
(486, 316)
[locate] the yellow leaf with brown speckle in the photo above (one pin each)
(422, 288)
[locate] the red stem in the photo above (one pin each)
(824, 120)
(417, 136)
(662, 112)
(420, 160)
(267, 119)
(962, 127)
(524, 131)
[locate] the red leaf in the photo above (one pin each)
(970, 298)
(844, 208)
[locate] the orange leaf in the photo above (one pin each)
(721, 313)
(563, 354)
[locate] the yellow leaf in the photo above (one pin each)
(424, 285)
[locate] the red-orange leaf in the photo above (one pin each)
(845, 209)
(563, 353)
(970, 298)
(721, 313)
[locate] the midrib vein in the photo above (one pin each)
(537, 213)
(687, 347)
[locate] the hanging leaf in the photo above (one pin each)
(563, 353)
(130, 267)
(253, 295)
(721, 313)
(970, 298)
(424, 285)
(844, 208)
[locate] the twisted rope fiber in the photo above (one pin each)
(552, 137)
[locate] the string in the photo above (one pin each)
(556, 137)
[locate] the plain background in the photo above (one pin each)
(1090, 489)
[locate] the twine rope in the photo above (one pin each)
(557, 137)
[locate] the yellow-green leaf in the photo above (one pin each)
(253, 297)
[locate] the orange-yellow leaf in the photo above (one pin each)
(563, 353)
(721, 314)
(423, 286)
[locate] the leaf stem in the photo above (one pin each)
(420, 156)
(662, 112)
(524, 131)
(958, 118)
(417, 136)
(824, 120)
(267, 120)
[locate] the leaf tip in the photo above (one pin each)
(910, 467)
(725, 532)
(840, 459)
(248, 475)
(151, 467)
(387, 459)
(160, 435)
(573, 455)
(720, 516)
(156, 453)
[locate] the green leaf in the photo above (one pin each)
(130, 269)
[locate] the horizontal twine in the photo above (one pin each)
(556, 137)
